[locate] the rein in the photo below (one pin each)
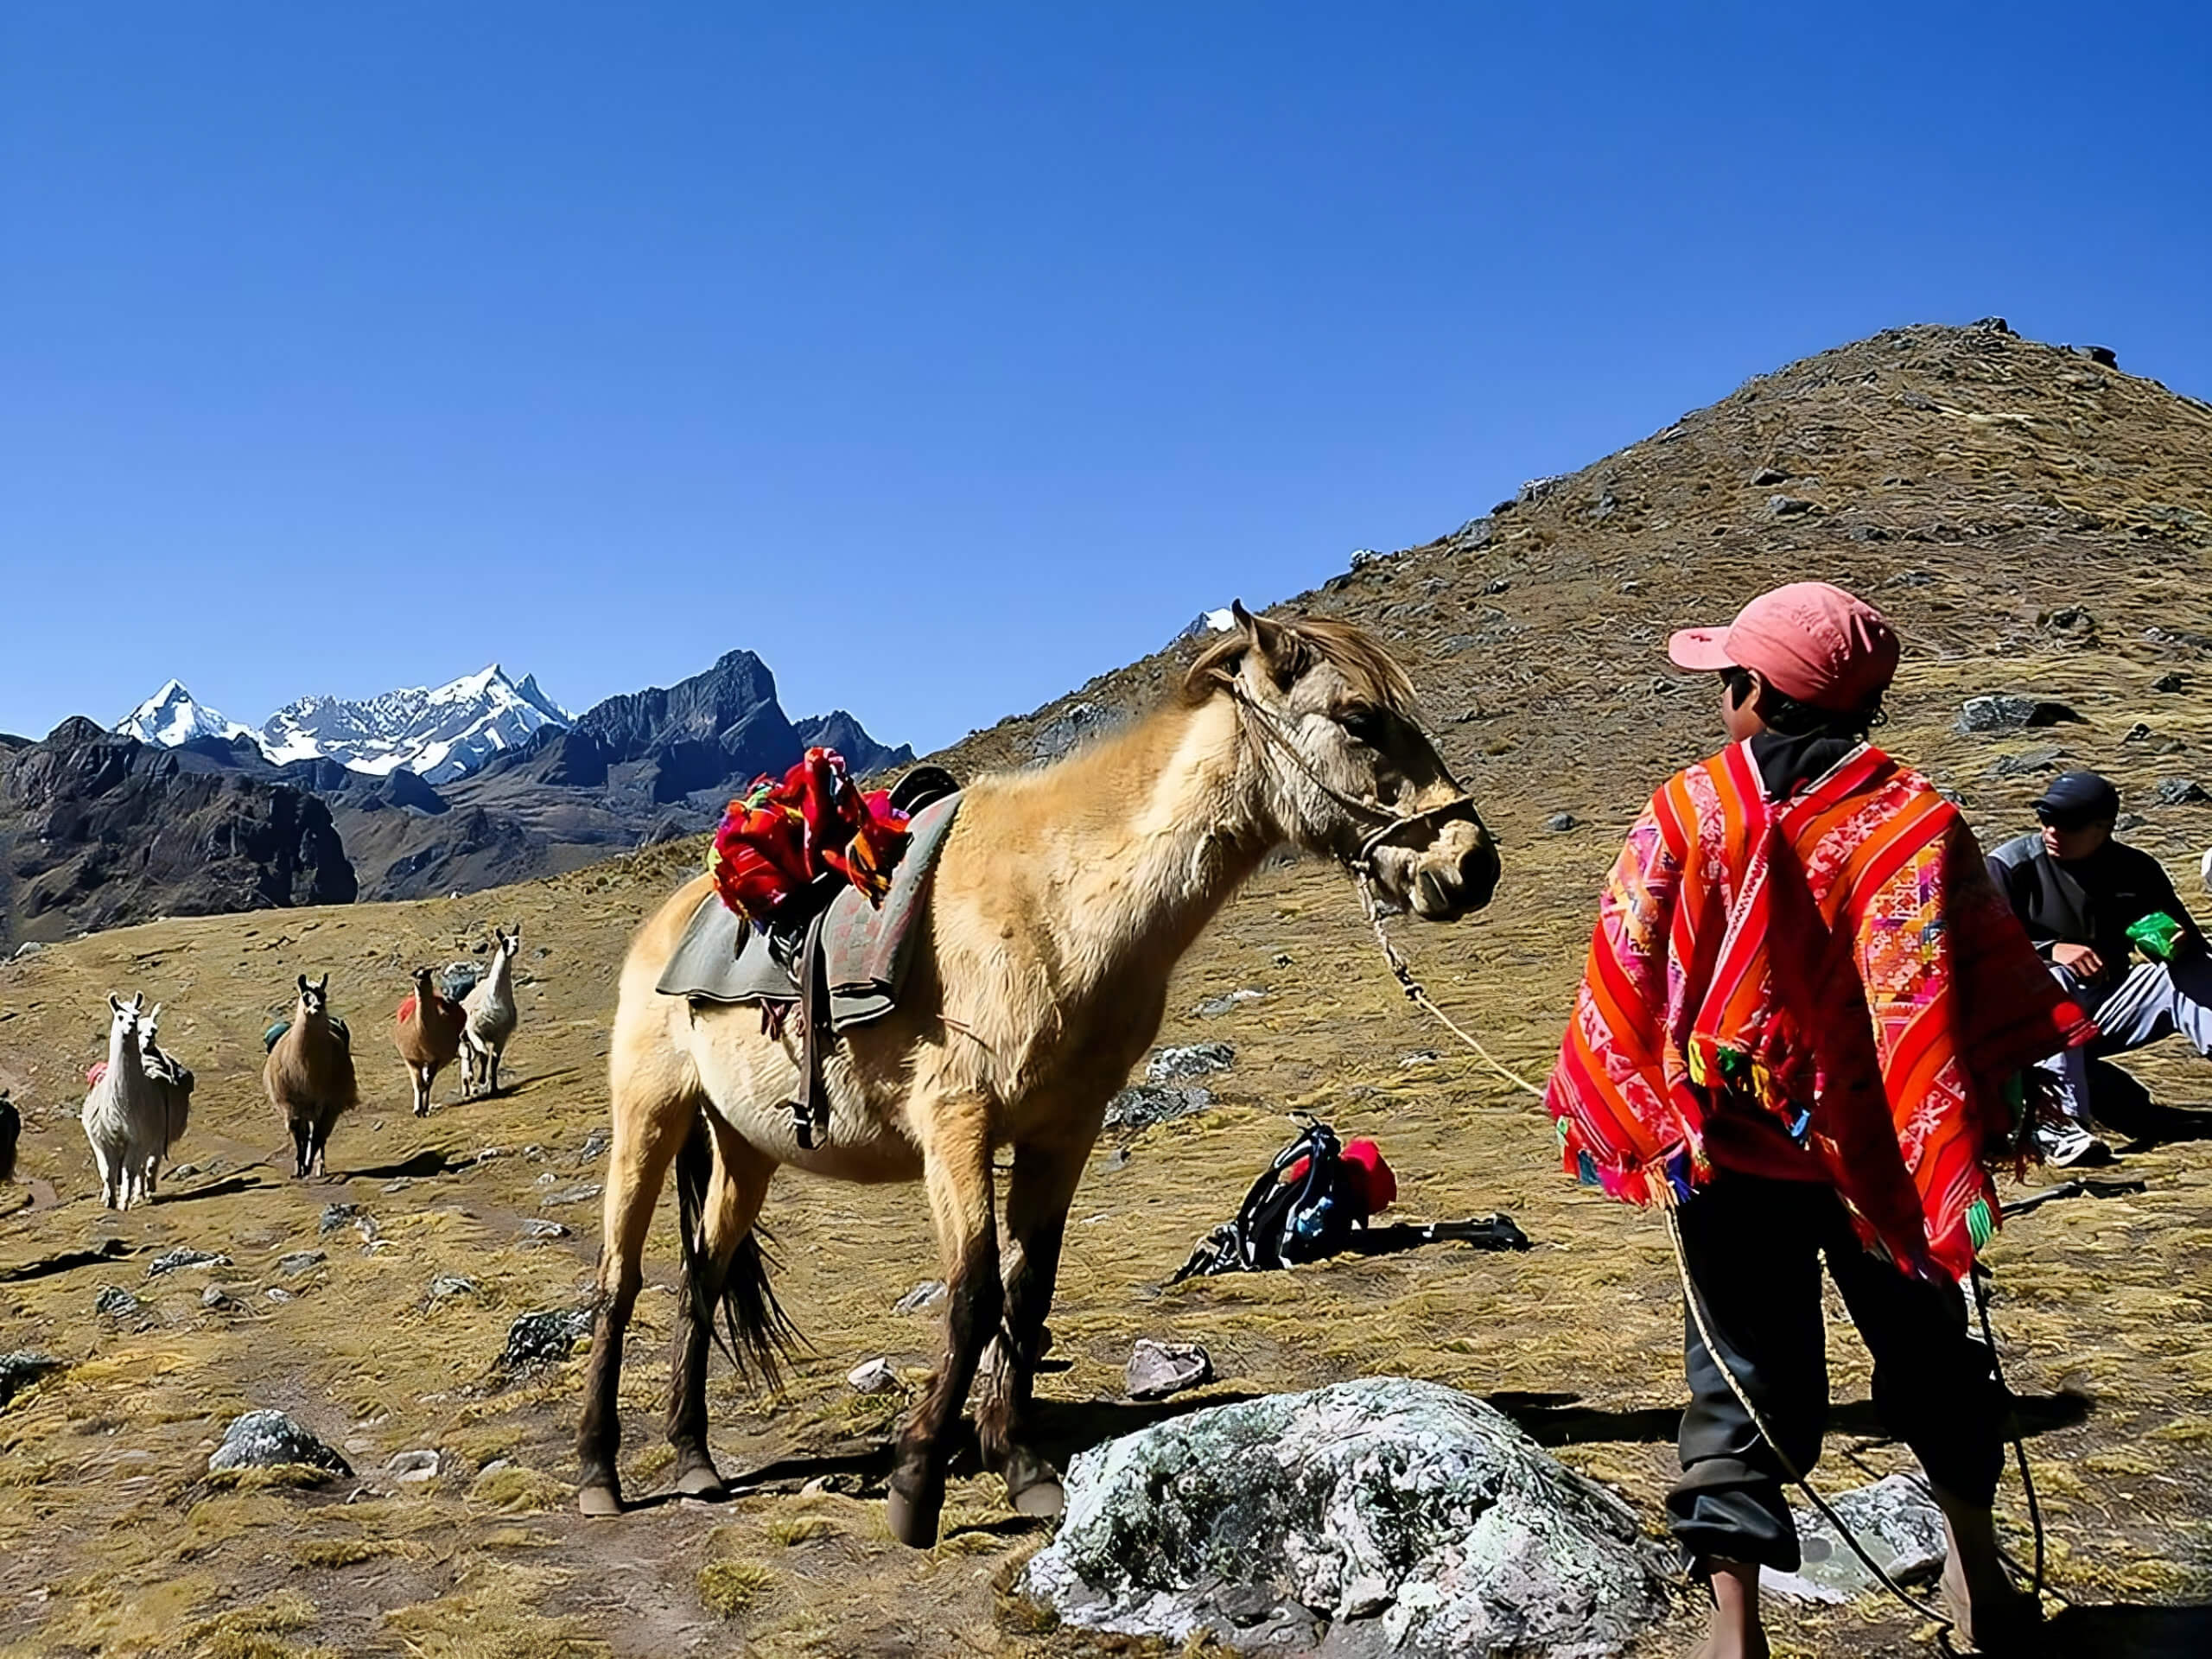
(1418, 994)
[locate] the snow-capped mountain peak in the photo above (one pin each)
(171, 716)
(439, 732)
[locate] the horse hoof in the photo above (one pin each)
(599, 1501)
(700, 1481)
(1032, 1486)
(914, 1516)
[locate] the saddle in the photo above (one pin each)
(841, 964)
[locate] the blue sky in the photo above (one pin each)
(949, 355)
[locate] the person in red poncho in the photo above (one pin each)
(1804, 1022)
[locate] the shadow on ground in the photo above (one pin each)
(2119, 1632)
(1563, 1419)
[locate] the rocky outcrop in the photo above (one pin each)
(97, 830)
(701, 731)
(1380, 1517)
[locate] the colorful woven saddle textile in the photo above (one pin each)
(723, 958)
(1835, 976)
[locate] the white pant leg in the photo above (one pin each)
(2070, 1068)
(2157, 1000)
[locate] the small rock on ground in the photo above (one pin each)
(1191, 1060)
(2003, 712)
(26, 1366)
(336, 1216)
(181, 1257)
(265, 1439)
(924, 1298)
(1143, 1104)
(1230, 1002)
(1157, 1369)
(579, 1194)
(453, 1284)
(1895, 1520)
(539, 1227)
(544, 1339)
(2181, 792)
(299, 1262)
(876, 1377)
(409, 1467)
(1560, 822)
(118, 1303)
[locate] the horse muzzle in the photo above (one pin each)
(1455, 873)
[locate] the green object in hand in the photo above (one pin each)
(2157, 935)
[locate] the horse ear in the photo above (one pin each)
(1281, 648)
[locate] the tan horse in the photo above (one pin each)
(1061, 903)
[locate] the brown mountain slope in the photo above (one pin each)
(1541, 665)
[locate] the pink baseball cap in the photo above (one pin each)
(1809, 641)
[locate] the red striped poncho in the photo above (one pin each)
(1833, 977)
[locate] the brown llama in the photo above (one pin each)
(427, 1033)
(309, 1075)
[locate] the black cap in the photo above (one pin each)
(2084, 795)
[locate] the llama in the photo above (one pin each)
(309, 1075)
(173, 1080)
(11, 1131)
(490, 1006)
(126, 1116)
(428, 1035)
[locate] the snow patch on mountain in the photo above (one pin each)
(171, 716)
(438, 732)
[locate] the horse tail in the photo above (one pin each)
(752, 1330)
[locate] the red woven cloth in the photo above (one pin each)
(1837, 974)
(785, 834)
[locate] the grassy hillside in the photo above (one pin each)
(1982, 487)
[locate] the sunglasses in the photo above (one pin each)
(2065, 823)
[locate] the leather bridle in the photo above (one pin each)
(1390, 824)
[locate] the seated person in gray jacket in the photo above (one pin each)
(2078, 891)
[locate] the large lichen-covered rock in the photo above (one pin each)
(1380, 1517)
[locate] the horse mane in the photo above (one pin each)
(1373, 674)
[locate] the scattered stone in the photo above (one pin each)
(1560, 822)
(1388, 1516)
(2138, 733)
(448, 1284)
(1229, 1003)
(2029, 762)
(1141, 1105)
(218, 1299)
(924, 1298)
(118, 1303)
(581, 1193)
(875, 1377)
(266, 1440)
(595, 1145)
(279, 1295)
(2170, 682)
(2102, 355)
(336, 1216)
(536, 1340)
(27, 949)
(299, 1262)
(2180, 792)
(1767, 475)
(1895, 1522)
(410, 1468)
(181, 1257)
(23, 1368)
(1363, 556)
(2003, 712)
(399, 1185)
(2072, 619)
(1788, 506)
(1867, 533)
(1420, 1056)
(1191, 1060)
(1282, 959)
(1912, 579)
(2127, 820)
(2185, 637)
(539, 1227)
(1157, 1369)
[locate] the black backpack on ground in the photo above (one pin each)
(1284, 1223)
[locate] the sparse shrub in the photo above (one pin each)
(731, 1589)
(517, 1490)
(788, 1531)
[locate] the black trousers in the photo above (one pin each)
(1754, 1248)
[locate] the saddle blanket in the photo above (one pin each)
(723, 959)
